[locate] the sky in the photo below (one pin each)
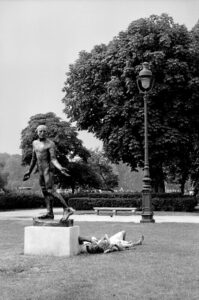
(39, 40)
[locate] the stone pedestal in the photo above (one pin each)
(50, 240)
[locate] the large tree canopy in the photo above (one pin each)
(101, 94)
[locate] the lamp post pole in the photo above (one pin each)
(145, 84)
(147, 213)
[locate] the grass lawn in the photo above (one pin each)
(164, 267)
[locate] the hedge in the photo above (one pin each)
(184, 203)
(161, 202)
(19, 200)
(86, 201)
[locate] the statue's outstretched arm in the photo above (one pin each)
(32, 165)
(55, 161)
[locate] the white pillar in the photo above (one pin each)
(49, 240)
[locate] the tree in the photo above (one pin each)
(15, 172)
(82, 177)
(61, 132)
(128, 180)
(102, 166)
(3, 175)
(101, 95)
(97, 173)
(194, 174)
(70, 153)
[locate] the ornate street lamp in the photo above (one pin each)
(145, 84)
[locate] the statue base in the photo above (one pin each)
(56, 223)
(54, 240)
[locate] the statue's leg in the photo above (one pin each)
(48, 200)
(67, 211)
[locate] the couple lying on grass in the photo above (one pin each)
(116, 242)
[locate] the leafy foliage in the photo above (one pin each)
(64, 136)
(3, 172)
(128, 180)
(82, 176)
(61, 132)
(102, 166)
(160, 202)
(70, 153)
(194, 174)
(101, 95)
(15, 171)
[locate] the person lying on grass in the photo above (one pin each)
(116, 242)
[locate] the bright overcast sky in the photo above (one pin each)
(38, 41)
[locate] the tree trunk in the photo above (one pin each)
(183, 181)
(73, 188)
(157, 182)
(182, 188)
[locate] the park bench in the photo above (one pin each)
(114, 210)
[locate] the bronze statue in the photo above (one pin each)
(44, 155)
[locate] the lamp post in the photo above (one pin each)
(145, 83)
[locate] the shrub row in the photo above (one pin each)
(88, 203)
(175, 203)
(165, 202)
(184, 203)
(122, 195)
(105, 195)
(21, 201)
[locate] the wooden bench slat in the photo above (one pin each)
(114, 209)
(110, 208)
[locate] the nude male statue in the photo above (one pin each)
(44, 155)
